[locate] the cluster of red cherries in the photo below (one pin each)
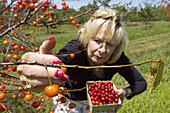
(102, 93)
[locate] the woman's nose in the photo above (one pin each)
(102, 48)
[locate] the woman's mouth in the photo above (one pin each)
(98, 57)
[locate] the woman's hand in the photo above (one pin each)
(122, 93)
(36, 75)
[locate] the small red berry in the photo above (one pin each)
(73, 22)
(54, 6)
(72, 55)
(77, 25)
(35, 104)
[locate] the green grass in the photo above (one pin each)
(62, 33)
(156, 28)
(147, 102)
(144, 45)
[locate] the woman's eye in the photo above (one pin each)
(98, 41)
(110, 44)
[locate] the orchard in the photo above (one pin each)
(20, 20)
(33, 15)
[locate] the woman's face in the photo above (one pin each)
(99, 49)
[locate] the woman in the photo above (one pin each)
(101, 41)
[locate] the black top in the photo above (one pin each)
(78, 77)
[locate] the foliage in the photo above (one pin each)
(152, 41)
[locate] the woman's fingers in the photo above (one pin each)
(47, 46)
(36, 71)
(41, 58)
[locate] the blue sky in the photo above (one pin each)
(78, 3)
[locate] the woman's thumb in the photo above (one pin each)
(48, 45)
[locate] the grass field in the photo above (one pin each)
(144, 49)
(144, 45)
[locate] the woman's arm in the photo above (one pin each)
(133, 76)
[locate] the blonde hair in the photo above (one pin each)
(105, 19)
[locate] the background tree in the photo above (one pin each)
(124, 10)
(146, 14)
(134, 15)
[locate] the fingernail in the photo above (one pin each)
(117, 92)
(59, 73)
(51, 38)
(57, 61)
(64, 78)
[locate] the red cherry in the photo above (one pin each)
(5, 61)
(35, 104)
(34, 1)
(2, 108)
(93, 102)
(9, 7)
(14, 69)
(63, 99)
(5, 67)
(36, 48)
(21, 95)
(48, 21)
(2, 75)
(13, 43)
(64, 7)
(51, 90)
(43, 8)
(27, 1)
(73, 22)
(54, 6)
(18, 10)
(28, 97)
(71, 18)
(22, 48)
(116, 96)
(2, 87)
(72, 55)
(67, 6)
(47, 2)
(97, 103)
(77, 25)
(15, 8)
(19, 2)
(72, 105)
(46, 6)
(32, 8)
(63, 3)
(116, 100)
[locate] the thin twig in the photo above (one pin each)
(10, 105)
(9, 84)
(76, 66)
(5, 108)
(8, 89)
(48, 75)
(26, 39)
(9, 75)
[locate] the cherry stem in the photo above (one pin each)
(48, 75)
